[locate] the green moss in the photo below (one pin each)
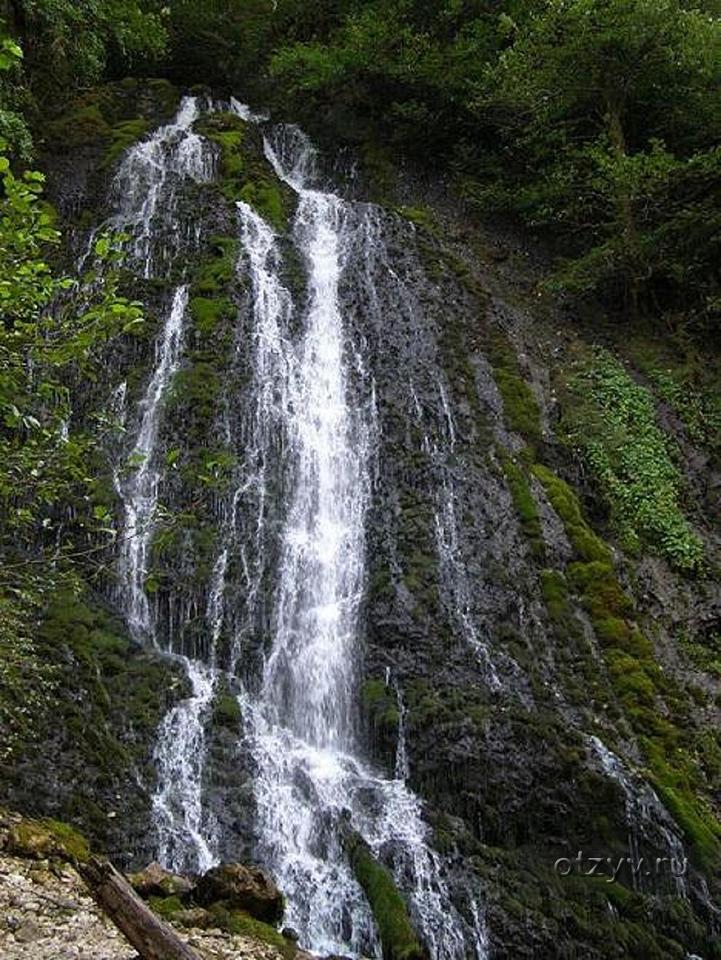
(389, 909)
(208, 313)
(519, 401)
(197, 386)
(381, 707)
(166, 907)
(525, 505)
(637, 681)
(124, 135)
(701, 829)
(226, 711)
(519, 405)
(421, 216)
(245, 173)
(48, 839)
(216, 272)
(565, 502)
(71, 840)
(108, 700)
(83, 126)
(555, 592)
(241, 923)
(265, 196)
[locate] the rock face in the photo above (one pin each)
(491, 672)
(242, 888)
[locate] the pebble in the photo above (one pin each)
(46, 913)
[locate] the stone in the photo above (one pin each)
(193, 917)
(290, 934)
(242, 888)
(156, 881)
(29, 932)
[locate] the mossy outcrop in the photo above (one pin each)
(245, 173)
(390, 912)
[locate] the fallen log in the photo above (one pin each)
(151, 937)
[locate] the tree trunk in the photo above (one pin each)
(151, 937)
(624, 202)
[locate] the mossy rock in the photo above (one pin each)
(525, 505)
(166, 907)
(520, 406)
(245, 174)
(124, 135)
(390, 912)
(207, 313)
(47, 839)
(241, 923)
(83, 126)
(564, 501)
(226, 711)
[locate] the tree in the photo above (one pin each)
(601, 103)
(52, 330)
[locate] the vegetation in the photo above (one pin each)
(52, 330)
(595, 124)
(612, 420)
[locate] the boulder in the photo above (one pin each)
(195, 917)
(46, 840)
(156, 881)
(242, 888)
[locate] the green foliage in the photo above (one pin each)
(688, 382)
(41, 465)
(52, 330)
(611, 420)
(621, 160)
(389, 910)
(72, 42)
(612, 154)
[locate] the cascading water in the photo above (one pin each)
(308, 432)
(311, 787)
(146, 189)
(139, 491)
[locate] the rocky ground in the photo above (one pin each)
(46, 913)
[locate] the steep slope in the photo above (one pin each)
(499, 632)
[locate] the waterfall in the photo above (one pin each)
(311, 783)
(302, 488)
(139, 492)
(146, 191)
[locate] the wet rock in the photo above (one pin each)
(290, 934)
(156, 881)
(242, 888)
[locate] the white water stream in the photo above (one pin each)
(309, 424)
